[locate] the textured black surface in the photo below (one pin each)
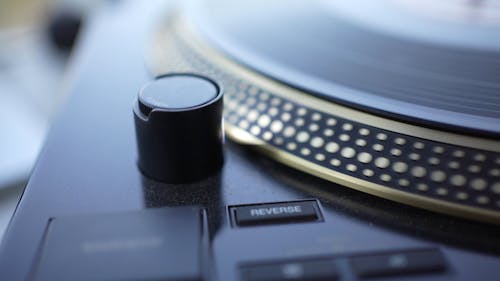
(88, 166)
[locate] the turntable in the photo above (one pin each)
(361, 141)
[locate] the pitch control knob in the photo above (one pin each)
(178, 123)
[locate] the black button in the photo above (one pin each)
(153, 244)
(395, 263)
(276, 213)
(311, 270)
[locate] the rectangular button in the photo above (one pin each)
(276, 213)
(396, 263)
(152, 244)
(311, 270)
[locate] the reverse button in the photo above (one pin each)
(287, 212)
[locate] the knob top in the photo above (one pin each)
(178, 92)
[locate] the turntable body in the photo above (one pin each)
(268, 214)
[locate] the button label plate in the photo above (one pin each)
(284, 212)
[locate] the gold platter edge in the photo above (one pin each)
(241, 136)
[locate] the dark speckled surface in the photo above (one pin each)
(88, 166)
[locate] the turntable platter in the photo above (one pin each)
(394, 58)
(413, 118)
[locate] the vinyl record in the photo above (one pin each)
(436, 64)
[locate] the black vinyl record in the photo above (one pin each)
(434, 64)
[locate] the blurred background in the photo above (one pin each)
(36, 39)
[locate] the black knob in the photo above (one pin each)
(64, 27)
(178, 123)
